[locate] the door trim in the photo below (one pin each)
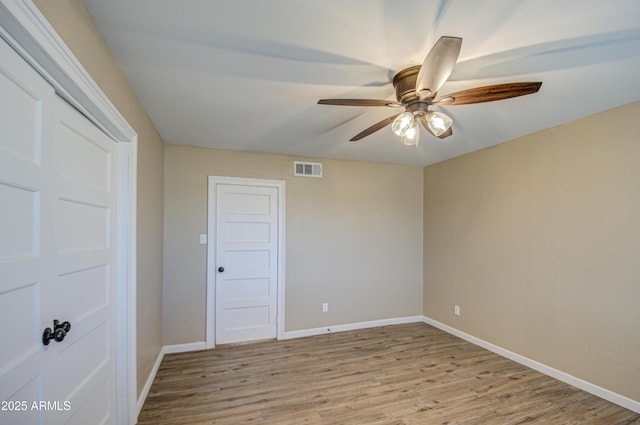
(26, 30)
(211, 248)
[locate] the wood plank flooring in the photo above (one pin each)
(394, 375)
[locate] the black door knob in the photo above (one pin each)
(58, 333)
(220, 269)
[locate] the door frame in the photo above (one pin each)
(27, 31)
(213, 181)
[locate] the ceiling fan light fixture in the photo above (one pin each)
(416, 88)
(438, 122)
(412, 135)
(403, 123)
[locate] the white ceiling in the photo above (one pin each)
(246, 74)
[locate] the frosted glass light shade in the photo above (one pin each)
(403, 123)
(412, 135)
(438, 122)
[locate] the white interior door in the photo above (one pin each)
(57, 220)
(246, 262)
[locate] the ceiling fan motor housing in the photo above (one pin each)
(404, 83)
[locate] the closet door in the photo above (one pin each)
(57, 221)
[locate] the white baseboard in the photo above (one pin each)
(350, 327)
(183, 348)
(147, 385)
(596, 390)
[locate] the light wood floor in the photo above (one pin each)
(395, 375)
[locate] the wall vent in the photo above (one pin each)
(307, 169)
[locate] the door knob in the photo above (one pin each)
(220, 269)
(58, 333)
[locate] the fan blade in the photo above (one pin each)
(358, 102)
(377, 126)
(449, 132)
(437, 66)
(489, 93)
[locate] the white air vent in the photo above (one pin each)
(307, 169)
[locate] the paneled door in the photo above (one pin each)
(57, 277)
(246, 262)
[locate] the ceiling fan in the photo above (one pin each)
(416, 89)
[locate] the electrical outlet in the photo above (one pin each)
(325, 307)
(456, 310)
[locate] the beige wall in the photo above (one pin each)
(72, 21)
(353, 239)
(538, 241)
